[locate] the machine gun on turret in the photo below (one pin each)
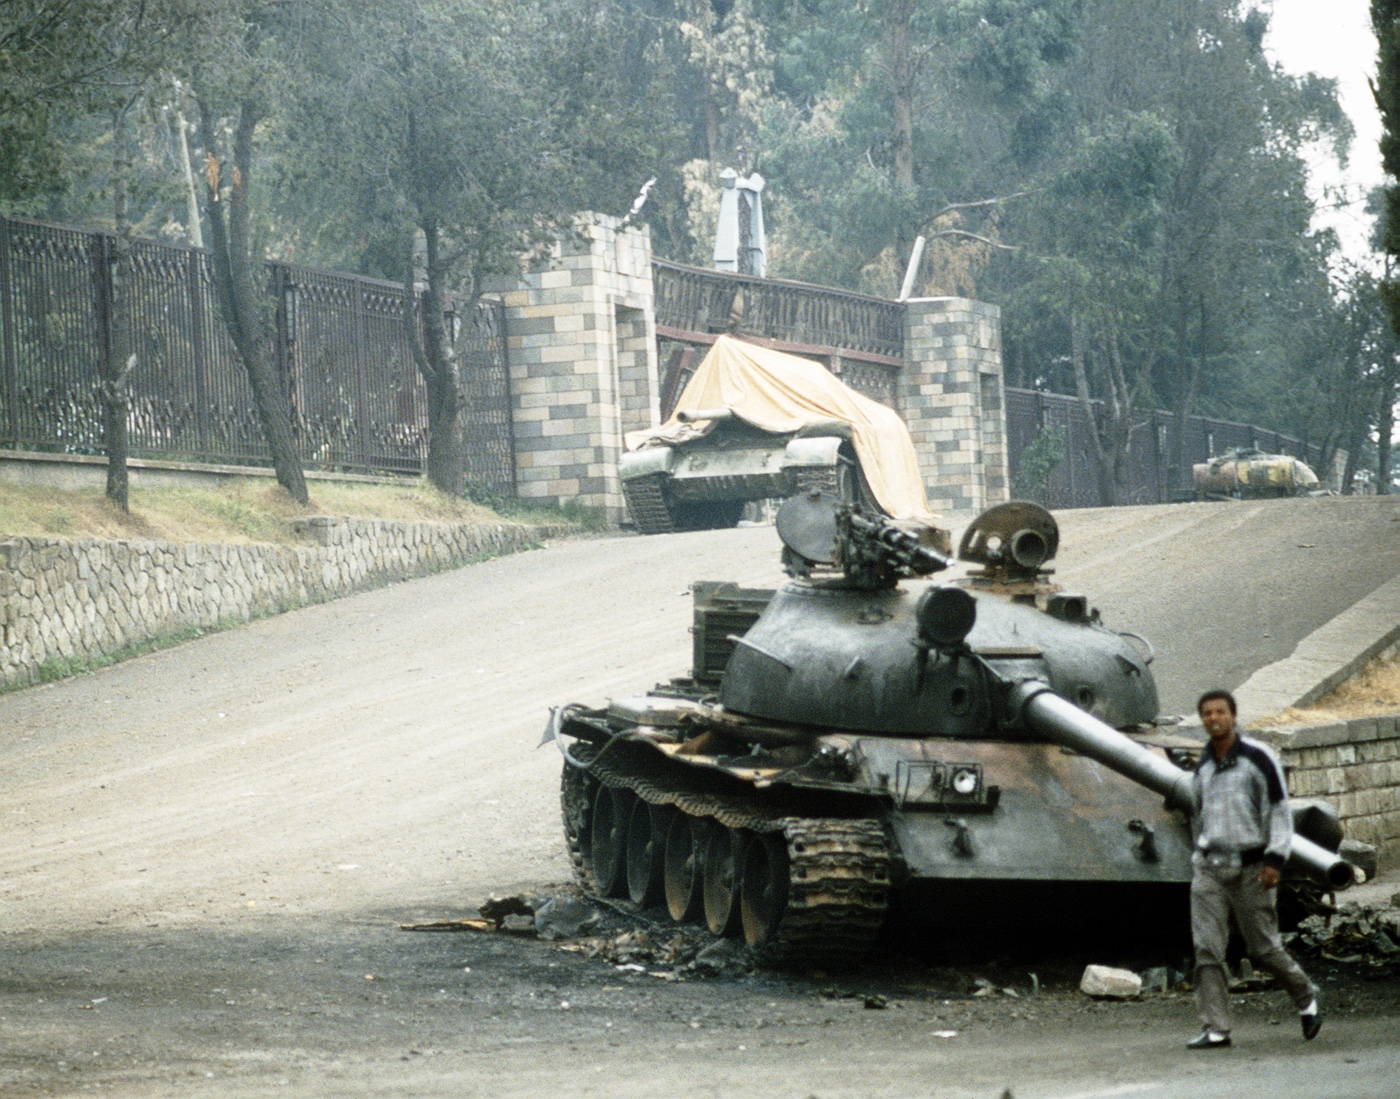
(823, 534)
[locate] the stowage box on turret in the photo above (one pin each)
(851, 748)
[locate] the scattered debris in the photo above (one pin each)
(945, 1033)
(1356, 934)
(1105, 982)
(450, 925)
(721, 956)
(1250, 981)
(984, 987)
(518, 924)
(564, 918)
(498, 908)
(1161, 978)
(514, 915)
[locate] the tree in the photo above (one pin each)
(463, 133)
(1236, 252)
(137, 45)
(1102, 262)
(233, 86)
(1385, 21)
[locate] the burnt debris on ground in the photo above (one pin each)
(1361, 936)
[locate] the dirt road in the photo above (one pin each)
(205, 851)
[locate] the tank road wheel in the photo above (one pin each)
(763, 888)
(611, 810)
(720, 871)
(685, 847)
(646, 852)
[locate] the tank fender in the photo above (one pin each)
(804, 453)
(641, 463)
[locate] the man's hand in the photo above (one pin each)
(1269, 876)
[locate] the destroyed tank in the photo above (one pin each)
(864, 745)
(703, 483)
(1247, 472)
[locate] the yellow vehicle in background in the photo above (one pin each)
(1249, 473)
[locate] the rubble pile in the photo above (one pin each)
(609, 931)
(1360, 935)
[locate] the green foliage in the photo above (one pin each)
(1155, 156)
(1042, 456)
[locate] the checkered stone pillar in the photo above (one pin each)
(952, 399)
(581, 347)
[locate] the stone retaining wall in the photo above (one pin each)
(76, 600)
(1354, 765)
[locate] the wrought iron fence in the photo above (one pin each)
(1074, 482)
(860, 337)
(694, 299)
(339, 340)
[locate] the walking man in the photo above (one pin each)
(1242, 830)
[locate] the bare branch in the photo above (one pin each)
(980, 203)
(977, 237)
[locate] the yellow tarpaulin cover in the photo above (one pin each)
(783, 393)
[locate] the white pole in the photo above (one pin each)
(915, 258)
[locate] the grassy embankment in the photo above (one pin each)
(243, 512)
(1372, 692)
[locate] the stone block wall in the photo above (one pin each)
(951, 395)
(77, 600)
(581, 347)
(1354, 765)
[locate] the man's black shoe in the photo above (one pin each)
(1312, 1023)
(1213, 1039)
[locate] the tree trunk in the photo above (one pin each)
(901, 60)
(237, 278)
(1385, 426)
(1103, 464)
(112, 385)
(436, 357)
(1187, 389)
(1120, 436)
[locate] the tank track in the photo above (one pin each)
(839, 869)
(646, 502)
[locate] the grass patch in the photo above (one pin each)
(1372, 692)
(249, 511)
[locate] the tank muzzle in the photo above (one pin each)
(1029, 549)
(715, 414)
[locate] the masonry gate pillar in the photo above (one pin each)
(581, 348)
(952, 399)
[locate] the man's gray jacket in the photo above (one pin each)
(1241, 804)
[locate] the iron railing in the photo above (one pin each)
(860, 337)
(339, 341)
(695, 299)
(1151, 479)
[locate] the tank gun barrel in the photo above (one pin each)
(715, 414)
(1057, 719)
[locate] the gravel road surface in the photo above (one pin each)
(206, 851)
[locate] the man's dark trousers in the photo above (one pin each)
(1219, 887)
